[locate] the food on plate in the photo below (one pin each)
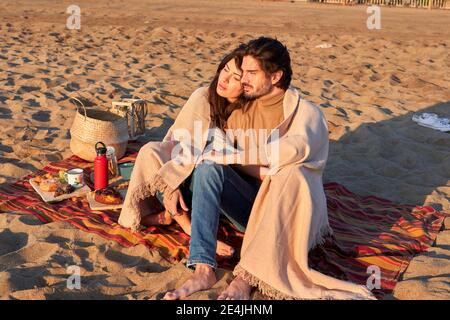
(39, 179)
(62, 176)
(63, 188)
(52, 183)
(49, 185)
(108, 195)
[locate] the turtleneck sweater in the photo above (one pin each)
(262, 115)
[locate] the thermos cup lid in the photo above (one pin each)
(100, 150)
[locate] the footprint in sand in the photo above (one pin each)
(327, 83)
(5, 113)
(43, 116)
(26, 89)
(342, 112)
(12, 241)
(6, 149)
(384, 110)
(394, 80)
(124, 259)
(30, 220)
(375, 77)
(26, 278)
(26, 76)
(32, 103)
(72, 86)
(85, 256)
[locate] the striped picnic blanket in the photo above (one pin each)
(368, 231)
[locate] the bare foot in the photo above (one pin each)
(162, 218)
(223, 250)
(203, 278)
(238, 289)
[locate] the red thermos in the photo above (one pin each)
(100, 167)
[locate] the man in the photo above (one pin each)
(266, 76)
(283, 209)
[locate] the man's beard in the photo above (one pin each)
(258, 94)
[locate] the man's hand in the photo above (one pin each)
(171, 202)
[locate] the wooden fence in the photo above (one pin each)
(430, 4)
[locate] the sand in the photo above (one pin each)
(368, 84)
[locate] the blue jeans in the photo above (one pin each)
(212, 190)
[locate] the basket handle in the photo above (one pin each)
(84, 108)
(145, 101)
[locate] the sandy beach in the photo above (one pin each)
(368, 83)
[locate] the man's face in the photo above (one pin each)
(255, 81)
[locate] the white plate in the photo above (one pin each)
(49, 196)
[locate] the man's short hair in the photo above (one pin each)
(273, 56)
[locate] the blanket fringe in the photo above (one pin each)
(265, 289)
(274, 294)
(143, 191)
(268, 290)
(157, 183)
(324, 232)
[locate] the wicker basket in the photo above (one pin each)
(94, 126)
(135, 110)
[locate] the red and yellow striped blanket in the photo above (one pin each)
(368, 231)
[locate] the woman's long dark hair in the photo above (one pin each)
(221, 108)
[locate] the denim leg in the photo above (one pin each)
(238, 197)
(216, 189)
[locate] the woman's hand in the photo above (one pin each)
(263, 172)
(171, 202)
(256, 171)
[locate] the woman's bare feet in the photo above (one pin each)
(238, 289)
(162, 218)
(202, 279)
(223, 250)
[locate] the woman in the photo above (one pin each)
(158, 173)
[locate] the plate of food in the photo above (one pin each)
(54, 188)
(109, 198)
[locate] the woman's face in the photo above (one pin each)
(229, 84)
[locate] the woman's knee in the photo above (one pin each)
(149, 147)
(146, 150)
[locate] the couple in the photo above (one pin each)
(277, 200)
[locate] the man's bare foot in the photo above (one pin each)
(238, 289)
(162, 218)
(202, 279)
(223, 250)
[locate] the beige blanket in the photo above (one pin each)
(163, 166)
(289, 216)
